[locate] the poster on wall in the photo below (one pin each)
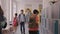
(40, 9)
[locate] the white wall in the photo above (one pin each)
(33, 4)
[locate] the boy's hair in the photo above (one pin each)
(22, 10)
(28, 9)
(35, 11)
(15, 14)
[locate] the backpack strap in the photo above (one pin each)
(19, 17)
(24, 17)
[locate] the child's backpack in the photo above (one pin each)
(15, 23)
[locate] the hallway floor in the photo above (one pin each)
(26, 29)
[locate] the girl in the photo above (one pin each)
(15, 22)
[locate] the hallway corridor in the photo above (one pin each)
(49, 14)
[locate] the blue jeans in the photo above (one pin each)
(33, 32)
(22, 27)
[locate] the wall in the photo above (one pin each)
(33, 4)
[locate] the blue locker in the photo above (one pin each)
(56, 27)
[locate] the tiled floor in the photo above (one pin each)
(26, 29)
(19, 32)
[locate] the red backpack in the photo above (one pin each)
(15, 21)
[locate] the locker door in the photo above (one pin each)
(56, 27)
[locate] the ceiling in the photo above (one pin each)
(28, 0)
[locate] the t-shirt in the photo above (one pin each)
(22, 18)
(34, 26)
(28, 14)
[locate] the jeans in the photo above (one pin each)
(33, 32)
(22, 27)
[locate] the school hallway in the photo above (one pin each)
(49, 14)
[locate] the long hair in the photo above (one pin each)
(1, 11)
(1, 15)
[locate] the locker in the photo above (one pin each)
(56, 27)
